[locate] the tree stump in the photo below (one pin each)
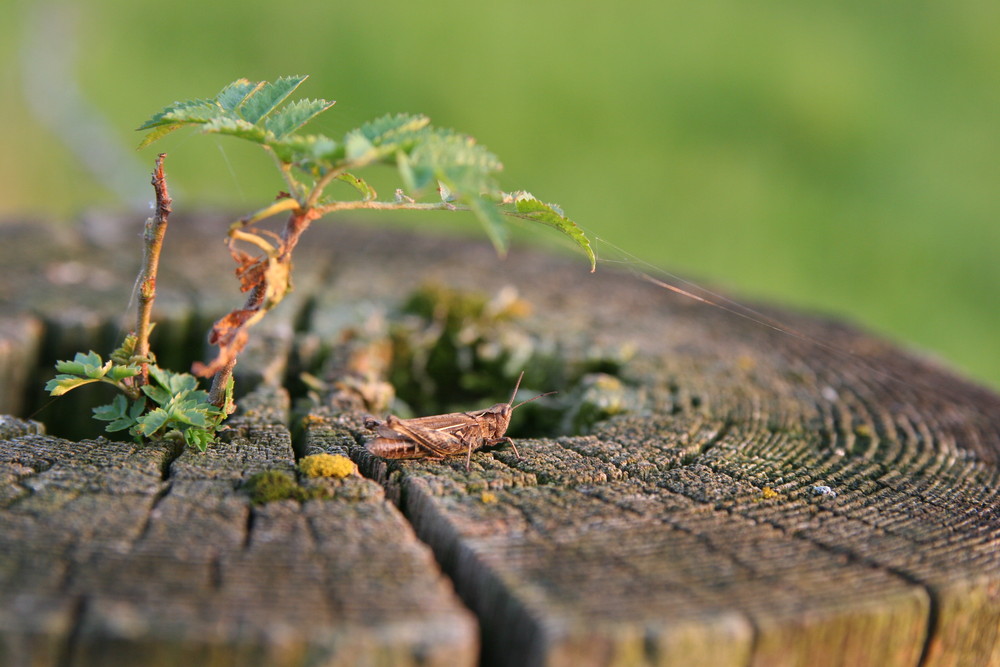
(743, 495)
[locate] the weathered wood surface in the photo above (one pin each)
(770, 501)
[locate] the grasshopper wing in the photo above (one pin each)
(438, 442)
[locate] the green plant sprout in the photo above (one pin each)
(170, 406)
(451, 169)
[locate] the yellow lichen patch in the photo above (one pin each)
(313, 420)
(327, 465)
(767, 493)
(488, 497)
(272, 485)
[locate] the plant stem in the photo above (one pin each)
(269, 289)
(271, 277)
(320, 186)
(156, 228)
(356, 205)
(220, 383)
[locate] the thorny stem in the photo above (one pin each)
(156, 228)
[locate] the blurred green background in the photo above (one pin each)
(840, 157)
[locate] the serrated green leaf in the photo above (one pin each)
(120, 425)
(386, 127)
(160, 376)
(119, 413)
(71, 367)
(262, 101)
(185, 408)
(236, 127)
(357, 147)
(152, 421)
(116, 409)
(199, 397)
(192, 111)
(158, 395)
(367, 192)
(158, 133)
(529, 208)
(64, 383)
(457, 160)
(183, 382)
(175, 383)
(230, 97)
(138, 407)
(191, 417)
(179, 114)
(295, 115)
(382, 137)
(118, 373)
(197, 437)
(491, 218)
(306, 150)
(88, 363)
(123, 354)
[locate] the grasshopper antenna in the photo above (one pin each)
(516, 386)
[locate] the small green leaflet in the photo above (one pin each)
(85, 365)
(158, 395)
(266, 97)
(382, 137)
(120, 414)
(312, 152)
(64, 383)
(384, 128)
(294, 116)
(244, 109)
(236, 127)
(85, 369)
(152, 422)
(175, 383)
(529, 208)
(198, 437)
(367, 192)
(233, 95)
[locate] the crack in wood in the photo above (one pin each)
(67, 653)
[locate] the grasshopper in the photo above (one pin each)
(441, 436)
